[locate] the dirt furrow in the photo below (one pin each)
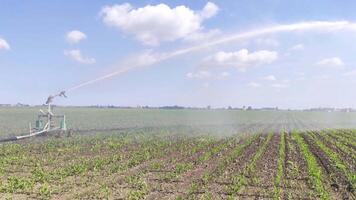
(296, 177)
(344, 141)
(338, 183)
(218, 185)
(260, 182)
(85, 188)
(182, 186)
(345, 156)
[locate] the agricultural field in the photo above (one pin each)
(181, 154)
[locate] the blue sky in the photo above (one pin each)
(49, 46)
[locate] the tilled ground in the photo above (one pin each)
(180, 186)
(338, 186)
(345, 153)
(295, 182)
(174, 167)
(260, 183)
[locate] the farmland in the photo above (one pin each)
(181, 154)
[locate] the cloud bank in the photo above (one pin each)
(199, 75)
(241, 59)
(75, 36)
(297, 47)
(154, 24)
(4, 45)
(321, 26)
(76, 55)
(334, 62)
(269, 78)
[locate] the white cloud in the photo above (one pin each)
(141, 60)
(309, 26)
(241, 59)
(223, 75)
(209, 10)
(254, 84)
(206, 85)
(331, 62)
(199, 75)
(154, 24)
(267, 41)
(75, 36)
(279, 85)
(297, 47)
(76, 55)
(323, 77)
(350, 73)
(203, 74)
(202, 36)
(4, 45)
(270, 78)
(300, 76)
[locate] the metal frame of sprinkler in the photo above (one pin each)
(46, 123)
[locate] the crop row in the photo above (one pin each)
(336, 162)
(240, 179)
(314, 171)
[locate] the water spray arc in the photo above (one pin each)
(303, 26)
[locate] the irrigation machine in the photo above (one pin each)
(47, 123)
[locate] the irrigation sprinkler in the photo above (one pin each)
(47, 123)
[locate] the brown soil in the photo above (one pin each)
(337, 180)
(295, 182)
(261, 182)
